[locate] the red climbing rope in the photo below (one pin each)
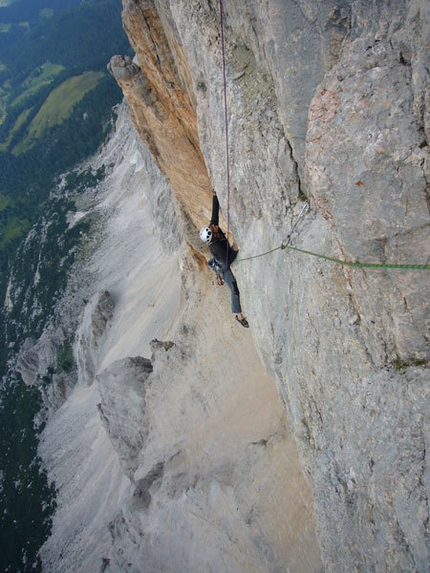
(227, 154)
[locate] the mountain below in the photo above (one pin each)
(56, 108)
(180, 441)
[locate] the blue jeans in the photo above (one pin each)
(230, 280)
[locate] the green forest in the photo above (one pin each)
(42, 135)
(56, 108)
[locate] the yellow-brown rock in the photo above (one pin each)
(157, 90)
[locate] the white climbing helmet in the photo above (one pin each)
(206, 235)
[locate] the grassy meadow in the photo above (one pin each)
(57, 107)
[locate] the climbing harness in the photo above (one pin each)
(227, 154)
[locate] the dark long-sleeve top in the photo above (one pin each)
(220, 247)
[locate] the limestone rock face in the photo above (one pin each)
(38, 365)
(327, 102)
(123, 68)
(36, 357)
(97, 315)
(373, 194)
(158, 90)
(122, 407)
(217, 487)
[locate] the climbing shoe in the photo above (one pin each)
(243, 322)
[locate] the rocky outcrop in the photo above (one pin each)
(162, 106)
(39, 358)
(122, 407)
(95, 322)
(328, 102)
(42, 364)
(217, 487)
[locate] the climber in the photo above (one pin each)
(223, 256)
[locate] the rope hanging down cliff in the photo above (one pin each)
(224, 77)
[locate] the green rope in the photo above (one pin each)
(338, 261)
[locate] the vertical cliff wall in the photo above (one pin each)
(327, 101)
(162, 105)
